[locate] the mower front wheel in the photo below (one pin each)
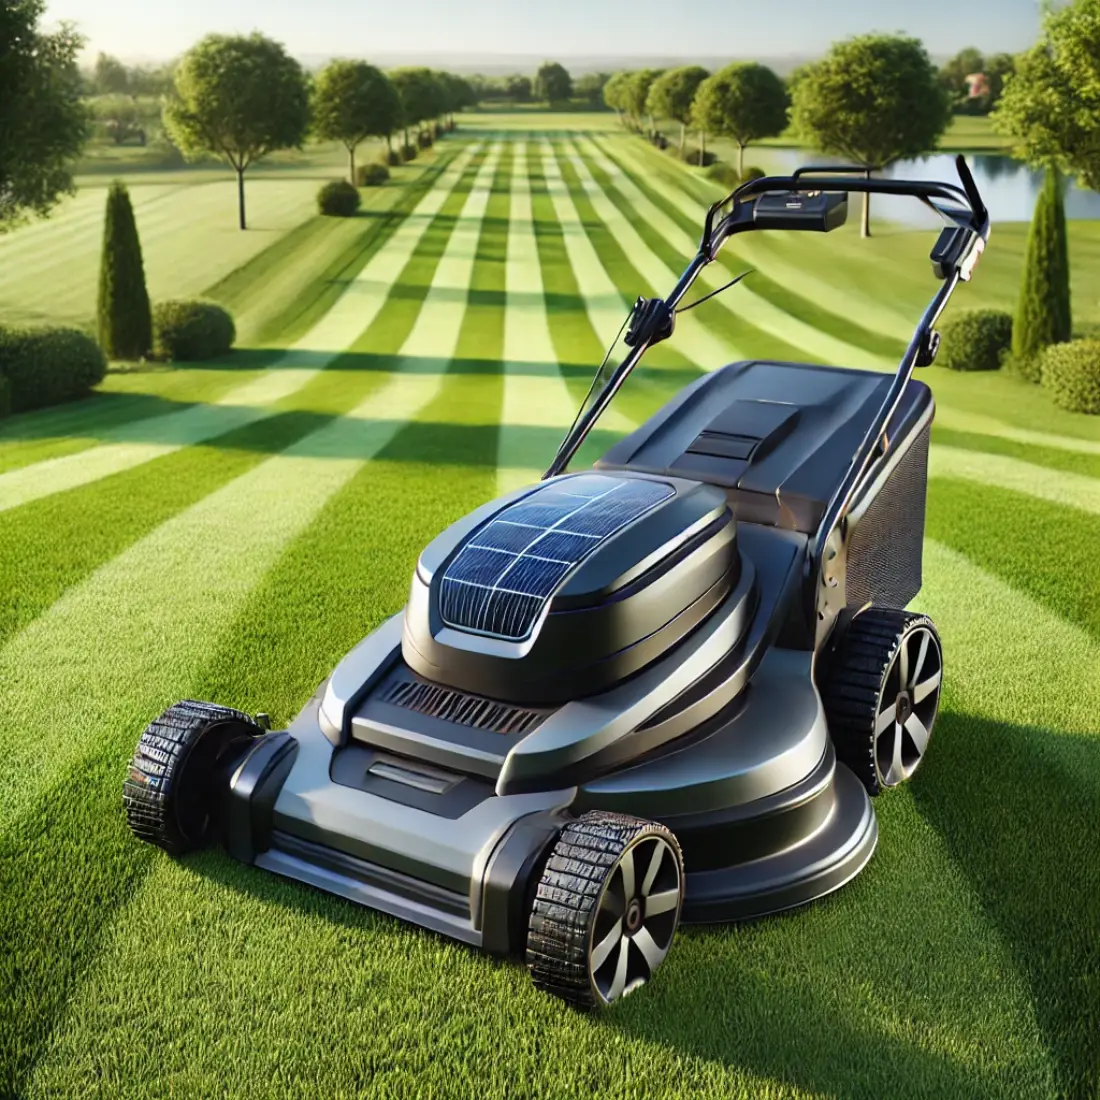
(172, 790)
(606, 908)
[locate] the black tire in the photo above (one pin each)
(591, 938)
(863, 684)
(171, 791)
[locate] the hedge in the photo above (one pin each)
(1071, 372)
(47, 366)
(190, 330)
(338, 199)
(371, 175)
(975, 340)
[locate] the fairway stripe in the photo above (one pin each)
(693, 339)
(530, 400)
(959, 420)
(351, 314)
(753, 250)
(167, 598)
(1056, 486)
(754, 309)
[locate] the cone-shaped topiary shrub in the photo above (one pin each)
(125, 320)
(976, 339)
(1043, 314)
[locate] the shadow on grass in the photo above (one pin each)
(1019, 809)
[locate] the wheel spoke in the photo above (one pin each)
(896, 772)
(618, 983)
(886, 718)
(903, 663)
(922, 691)
(626, 866)
(604, 948)
(654, 867)
(925, 639)
(649, 949)
(918, 732)
(662, 902)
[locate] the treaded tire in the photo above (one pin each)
(170, 791)
(577, 893)
(861, 678)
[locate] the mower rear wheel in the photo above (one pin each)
(882, 695)
(606, 908)
(171, 792)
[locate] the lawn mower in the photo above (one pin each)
(661, 689)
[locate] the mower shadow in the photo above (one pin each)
(1019, 810)
(1019, 817)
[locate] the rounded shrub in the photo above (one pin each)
(338, 199)
(408, 152)
(977, 339)
(692, 156)
(371, 175)
(1071, 372)
(190, 330)
(46, 366)
(725, 174)
(424, 139)
(391, 158)
(753, 173)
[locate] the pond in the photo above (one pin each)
(1008, 187)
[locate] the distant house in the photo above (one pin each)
(977, 85)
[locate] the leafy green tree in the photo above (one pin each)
(614, 93)
(672, 94)
(1050, 104)
(873, 99)
(744, 101)
(1043, 315)
(954, 72)
(998, 69)
(553, 84)
(239, 98)
(110, 76)
(636, 94)
(43, 121)
(420, 95)
(124, 315)
(150, 80)
(590, 88)
(457, 93)
(353, 101)
(517, 88)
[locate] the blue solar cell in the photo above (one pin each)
(501, 580)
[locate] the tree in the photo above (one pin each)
(517, 88)
(614, 93)
(954, 72)
(43, 121)
(419, 92)
(353, 101)
(125, 318)
(672, 94)
(110, 76)
(1050, 103)
(239, 98)
(150, 80)
(873, 99)
(553, 84)
(636, 94)
(590, 88)
(1043, 315)
(744, 101)
(997, 70)
(457, 93)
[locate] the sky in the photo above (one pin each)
(161, 29)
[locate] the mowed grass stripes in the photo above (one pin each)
(962, 963)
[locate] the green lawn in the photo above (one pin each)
(229, 532)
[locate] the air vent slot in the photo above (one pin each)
(473, 711)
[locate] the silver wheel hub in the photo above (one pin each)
(908, 706)
(636, 918)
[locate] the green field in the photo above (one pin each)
(230, 531)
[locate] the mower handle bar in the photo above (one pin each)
(971, 219)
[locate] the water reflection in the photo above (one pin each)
(1008, 187)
